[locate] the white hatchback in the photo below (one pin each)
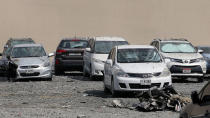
(135, 68)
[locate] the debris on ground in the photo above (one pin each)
(81, 116)
(157, 100)
(117, 103)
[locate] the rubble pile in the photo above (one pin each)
(158, 100)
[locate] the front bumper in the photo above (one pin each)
(41, 72)
(133, 84)
(196, 69)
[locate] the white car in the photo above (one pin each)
(135, 68)
(97, 53)
(182, 59)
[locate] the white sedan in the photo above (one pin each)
(135, 68)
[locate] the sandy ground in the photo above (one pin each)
(72, 95)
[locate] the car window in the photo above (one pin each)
(74, 44)
(177, 47)
(104, 47)
(22, 52)
(138, 56)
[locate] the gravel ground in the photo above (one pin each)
(70, 96)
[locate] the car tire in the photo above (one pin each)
(200, 79)
(114, 93)
(59, 71)
(49, 79)
(85, 74)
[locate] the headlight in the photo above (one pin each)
(46, 64)
(98, 61)
(165, 73)
(121, 73)
(199, 60)
(169, 60)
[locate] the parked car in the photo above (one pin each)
(206, 55)
(182, 59)
(96, 54)
(200, 106)
(69, 55)
(135, 68)
(32, 61)
(14, 41)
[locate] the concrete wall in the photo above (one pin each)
(139, 21)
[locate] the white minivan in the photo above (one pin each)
(97, 53)
(135, 68)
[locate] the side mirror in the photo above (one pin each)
(195, 97)
(51, 54)
(87, 49)
(109, 61)
(200, 51)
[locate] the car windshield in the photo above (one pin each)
(138, 56)
(173, 47)
(15, 42)
(104, 47)
(22, 52)
(205, 49)
(74, 44)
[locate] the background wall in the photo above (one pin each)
(139, 21)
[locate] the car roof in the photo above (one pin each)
(109, 39)
(75, 38)
(27, 45)
(181, 40)
(134, 46)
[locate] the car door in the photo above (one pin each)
(110, 67)
(106, 69)
(204, 106)
(87, 56)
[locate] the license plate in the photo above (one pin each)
(74, 54)
(145, 82)
(186, 70)
(29, 71)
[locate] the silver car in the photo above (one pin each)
(32, 61)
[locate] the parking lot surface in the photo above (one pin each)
(72, 96)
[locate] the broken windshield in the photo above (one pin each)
(171, 47)
(137, 55)
(104, 47)
(22, 52)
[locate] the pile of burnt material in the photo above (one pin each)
(158, 100)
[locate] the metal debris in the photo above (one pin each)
(165, 99)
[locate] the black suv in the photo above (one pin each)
(69, 55)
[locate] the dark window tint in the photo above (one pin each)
(74, 44)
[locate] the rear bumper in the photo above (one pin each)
(68, 64)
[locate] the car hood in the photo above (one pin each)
(142, 67)
(182, 55)
(30, 61)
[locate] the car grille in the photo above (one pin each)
(140, 75)
(179, 69)
(178, 60)
(139, 86)
(29, 74)
(185, 61)
(29, 67)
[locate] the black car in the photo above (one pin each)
(69, 55)
(14, 41)
(8, 69)
(206, 55)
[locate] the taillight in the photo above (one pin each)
(56, 61)
(60, 51)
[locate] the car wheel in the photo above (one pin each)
(85, 74)
(200, 79)
(114, 93)
(58, 71)
(49, 79)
